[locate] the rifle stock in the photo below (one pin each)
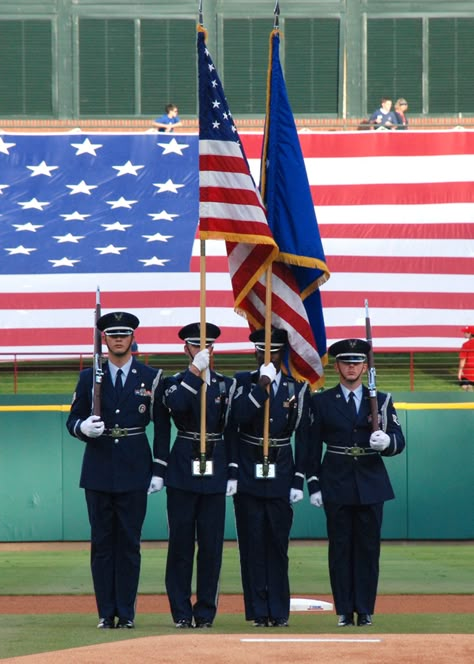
(97, 366)
(372, 376)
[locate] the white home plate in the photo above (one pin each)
(305, 604)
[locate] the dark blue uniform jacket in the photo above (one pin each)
(289, 414)
(346, 479)
(182, 398)
(119, 464)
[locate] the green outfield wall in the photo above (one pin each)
(40, 499)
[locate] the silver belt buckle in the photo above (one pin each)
(356, 451)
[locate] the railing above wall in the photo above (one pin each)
(10, 125)
(403, 371)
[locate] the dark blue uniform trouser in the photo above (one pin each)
(263, 531)
(116, 521)
(354, 552)
(194, 517)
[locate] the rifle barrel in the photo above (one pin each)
(97, 363)
(372, 374)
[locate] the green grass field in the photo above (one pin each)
(406, 568)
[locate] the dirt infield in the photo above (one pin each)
(288, 649)
(20, 604)
(358, 647)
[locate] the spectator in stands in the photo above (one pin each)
(401, 107)
(384, 117)
(466, 360)
(169, 121)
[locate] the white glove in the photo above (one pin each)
(269, 371)
(93, 427)
(156, 484)
(316, 499)
(379, 441)
(231, 488)
(201, 359)
(295, 495)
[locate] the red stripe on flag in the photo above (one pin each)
(399, 231)
(398, 300)
(393, 194)
(214, 194)
(400, 265)
(220, 225)
(118, 301)
(386, 331)
(156, 336)
(373, 144)
(222, 163)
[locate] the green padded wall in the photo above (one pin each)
(40, 499)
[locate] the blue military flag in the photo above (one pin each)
(287, 195)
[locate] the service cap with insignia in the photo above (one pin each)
(352, 351)
(278, 339)
(118, 323)
(191, 334)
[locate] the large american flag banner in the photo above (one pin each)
(395, 213)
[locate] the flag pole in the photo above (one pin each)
(266, 359)
(268, 324)
(202, 284)
(203, 326)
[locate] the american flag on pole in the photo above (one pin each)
(230, 210)
(395, 212)
(230, 205)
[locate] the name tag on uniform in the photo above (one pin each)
(259, 471)
(196, 468)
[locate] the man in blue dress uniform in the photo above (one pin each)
(263, 501)
(195, 494)
(351, 481)
(117, 465)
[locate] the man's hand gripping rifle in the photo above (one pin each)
(97, 369)
(371, 380)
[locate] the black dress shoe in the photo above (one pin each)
(364, 619)
(202, 624)
(279, 622)
(106, 623)
(123, 623)
(260, 622)
(345, 620)
(183, 624)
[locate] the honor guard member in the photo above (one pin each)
(195, 495)
(351, 480)
(263, 500)
(117, 465)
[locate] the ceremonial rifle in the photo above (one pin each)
(97, 367)
(371, 382)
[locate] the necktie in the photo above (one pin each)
(118, 383)
(352, 406)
